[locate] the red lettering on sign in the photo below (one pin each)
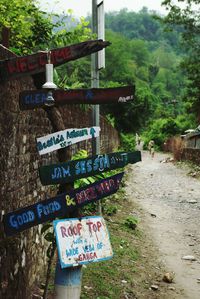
(32, 65)
(106, 186)
(63, 231)
(12, 67)
(99, 225)
(100, 189)
(23, 64)
(112, 183)
(42, 59)
(80, 197)
(79, 227)
(60, 55)
(67, 53)
(90, 193)
(87, 256)
(86, 195)
(71, 230)
(94, 226)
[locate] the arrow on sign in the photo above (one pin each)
(92, 132)
(48, 210)
(31, 99)
(76, 169)
(17, 67)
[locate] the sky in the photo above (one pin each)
(84, 7)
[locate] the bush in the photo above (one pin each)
(127, 142)
(131, 222)
(110, 210)
(160, 130)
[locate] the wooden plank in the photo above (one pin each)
(31, 99)
(48, 210)
(17, 67)
(64, 138)
(74, 170)
(82, 241)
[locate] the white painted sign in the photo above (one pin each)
(82, 241)
(55, 141)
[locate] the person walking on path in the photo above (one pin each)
(151, 148)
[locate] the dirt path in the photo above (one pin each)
(171, 203)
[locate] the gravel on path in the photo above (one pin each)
(170, 200)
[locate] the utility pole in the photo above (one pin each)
(95, 79)
(98, 29)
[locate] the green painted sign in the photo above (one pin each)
(74, 170)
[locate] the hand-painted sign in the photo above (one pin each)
(82, 241)
(74, 170)
(65, 138)
(35, 63)
(49, 209)
(36, 98)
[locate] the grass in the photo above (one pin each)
(134, 266)
(114, 278)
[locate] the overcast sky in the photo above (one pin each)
(84, 7)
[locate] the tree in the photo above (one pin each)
(28, 26)
(32, 29)
(188, 19)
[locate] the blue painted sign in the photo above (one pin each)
(49, 209)
(82, 241)
(74, 170)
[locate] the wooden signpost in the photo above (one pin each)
(65, 138)
(49, 209)
(82, 241)
(17, 67)
(73, 170)
(30, 99)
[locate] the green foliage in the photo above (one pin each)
(107, 284)
(127, 142)
(151, 62)
(161, 129)
(110, 210)
(131, 222)
(18, 15)
(186, 122)
(143, 25)
(110, 119)
(117, 60)
(32, 29)
(188, 20)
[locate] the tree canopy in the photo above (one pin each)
(145, 51)
(187, 19)
(150, 59)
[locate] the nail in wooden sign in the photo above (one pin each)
(74, 170)
(82, 241)
(31, 99)
(49, 209)
(65, 138)
(17, 67)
